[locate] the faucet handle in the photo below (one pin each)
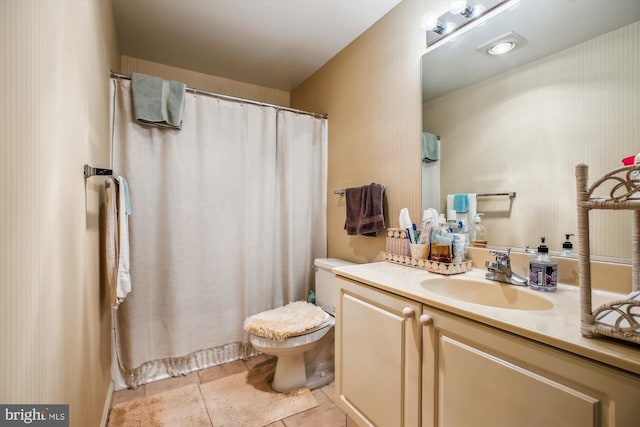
(502, 257)
(491, 265)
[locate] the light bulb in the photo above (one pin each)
(449, 27)
(457, 6)
(502, 47)
(429, 21)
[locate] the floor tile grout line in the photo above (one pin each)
(205, 404)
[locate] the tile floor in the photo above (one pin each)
(326, 414)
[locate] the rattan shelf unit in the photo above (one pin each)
(618, 319)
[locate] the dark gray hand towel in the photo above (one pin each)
(365, 214)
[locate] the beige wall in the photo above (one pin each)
(206, 82)
(525, 131)
(54, 113)
(371, 91)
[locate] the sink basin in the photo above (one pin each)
(485, 292)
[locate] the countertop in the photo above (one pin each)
(558, 327)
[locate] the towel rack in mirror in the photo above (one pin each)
(511, 194)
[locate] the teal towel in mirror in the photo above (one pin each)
(461, 203)
(430, 147)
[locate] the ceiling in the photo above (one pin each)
(271, 43)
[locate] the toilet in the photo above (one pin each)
(305, 356)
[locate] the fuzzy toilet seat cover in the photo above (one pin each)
(290, 320)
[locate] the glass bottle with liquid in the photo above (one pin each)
(441, 241)
(478, 234)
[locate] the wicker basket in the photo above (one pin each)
(397, 250)
(397, 242)
(618, 319)
(432, 266)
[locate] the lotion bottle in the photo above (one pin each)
(567, 246)
(543, 272)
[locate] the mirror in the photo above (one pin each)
(522, 121)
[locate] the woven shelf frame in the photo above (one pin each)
(624, 194)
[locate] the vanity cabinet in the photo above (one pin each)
(475, 375)
(378, 356)
(402, 363)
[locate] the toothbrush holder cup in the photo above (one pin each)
(419, 250)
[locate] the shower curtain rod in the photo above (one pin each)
(233, 98)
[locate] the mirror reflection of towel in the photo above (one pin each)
(430, 147)
(461, 203)
(365, 215)
(470, 207)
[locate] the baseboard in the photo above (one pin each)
(107, 406)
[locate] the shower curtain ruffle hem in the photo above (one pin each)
(177, 366)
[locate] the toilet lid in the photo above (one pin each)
(293, 319)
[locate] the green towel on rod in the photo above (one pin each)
(430, 147)
(157, 102)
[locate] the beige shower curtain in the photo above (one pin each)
(227, 216)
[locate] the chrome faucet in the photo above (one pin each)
(500, 269)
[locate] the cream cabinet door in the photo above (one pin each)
(475, 375)
(377, 356)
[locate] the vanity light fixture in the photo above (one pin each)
(458, 6)
(430, 23)
(461, 16)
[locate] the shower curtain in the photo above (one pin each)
(227, 216)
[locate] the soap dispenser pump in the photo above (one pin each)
(567, 246)
(543, 272)
(478, 234)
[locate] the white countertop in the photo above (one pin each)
(558, 327)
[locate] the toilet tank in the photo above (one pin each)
(325, 287)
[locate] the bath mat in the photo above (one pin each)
(247, 400)
(180, 407)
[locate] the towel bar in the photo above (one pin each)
(340, 192)
(511, 194)
(90, 171)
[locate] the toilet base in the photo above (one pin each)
(290, 373)
(318, 379)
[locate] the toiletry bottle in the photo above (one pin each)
(567, 246)
(452, 222)
(426, 229)
(459, 246)
(543, 272)
(441, 242)
(478, 234)
(460, 240)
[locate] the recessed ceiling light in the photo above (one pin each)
(501, 47)
(503, 44)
